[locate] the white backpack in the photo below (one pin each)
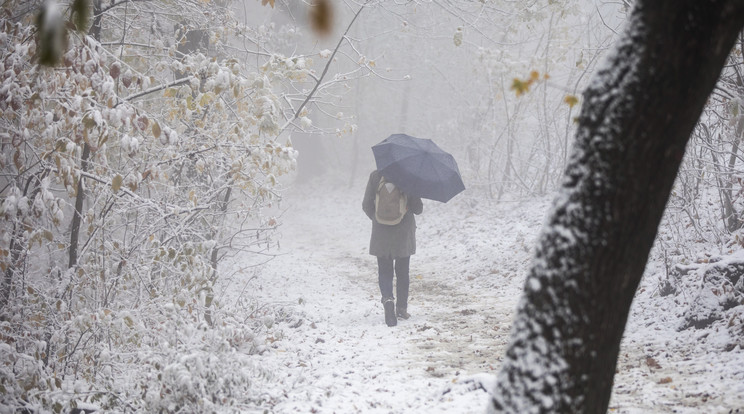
(391, 204)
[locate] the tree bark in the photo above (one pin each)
(637, 116)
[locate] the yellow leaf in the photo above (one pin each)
(571, 100)
(264, 2)
(519, 86)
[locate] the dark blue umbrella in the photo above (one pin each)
(418, 167)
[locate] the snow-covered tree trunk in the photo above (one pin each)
(637, 116)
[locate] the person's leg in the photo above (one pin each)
(385, 279)
(402, 281)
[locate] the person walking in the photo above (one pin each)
(393, 241)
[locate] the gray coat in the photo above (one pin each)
(393, 242)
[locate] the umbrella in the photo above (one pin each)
(418, 167)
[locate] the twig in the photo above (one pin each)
(325, 70)
(158, 88)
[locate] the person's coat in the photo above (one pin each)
(392, 242)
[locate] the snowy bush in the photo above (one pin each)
(701, 234)
(122, 193)
(718, 293)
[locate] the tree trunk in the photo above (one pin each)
(16, 253)
(77, 215)
(637, 116)
(733, 222)
(214, 259)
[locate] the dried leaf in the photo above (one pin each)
(115, 70)
(519, 86)
(458, 37)
(156, 130)
(89, 122)
(142, 123)
(116, 183)
(17, 160)
(571, 100)
(651, 362)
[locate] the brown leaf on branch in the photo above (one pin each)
(116, 183)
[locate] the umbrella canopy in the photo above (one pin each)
(418, 167)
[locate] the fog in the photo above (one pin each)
(180, 200)
(444, 70)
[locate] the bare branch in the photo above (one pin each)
(325, 70)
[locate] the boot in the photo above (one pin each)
(402, 313)
(390, 318)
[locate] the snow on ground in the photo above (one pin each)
(331, 352)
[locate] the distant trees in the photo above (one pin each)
(708, 196)
(703, 224)
(637, 117)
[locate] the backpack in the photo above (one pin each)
(391, 204)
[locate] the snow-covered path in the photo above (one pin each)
(343, 356)
(333, 353)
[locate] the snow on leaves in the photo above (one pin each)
(168, 177)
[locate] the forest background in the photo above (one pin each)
(147, 143)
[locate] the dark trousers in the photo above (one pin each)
(386, 269)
